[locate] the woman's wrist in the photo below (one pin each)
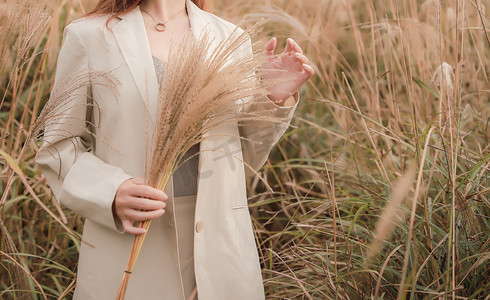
(282, 99)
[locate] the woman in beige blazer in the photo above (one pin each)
(100, 150)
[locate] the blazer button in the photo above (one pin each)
(199, 226)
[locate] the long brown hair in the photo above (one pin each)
(119, 7)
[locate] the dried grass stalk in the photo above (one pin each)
(201, 90)
(20, 26)
(18, 275)
(393, 213)
(56, 119)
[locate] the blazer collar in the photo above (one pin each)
(130, 35)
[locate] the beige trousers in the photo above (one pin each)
(185, 207)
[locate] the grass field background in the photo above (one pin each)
(382, 182)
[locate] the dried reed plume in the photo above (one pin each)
(443, 79)
(58, 110)
(202, 89)
(23, 23)
(18, 274)
(393, 213)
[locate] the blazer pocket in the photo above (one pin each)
(239, 207)
(239, 203)
(240, 212)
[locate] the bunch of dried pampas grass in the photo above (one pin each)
(202, 88)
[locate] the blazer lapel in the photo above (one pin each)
(130, 34)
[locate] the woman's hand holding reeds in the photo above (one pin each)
(135, 201)
(293, 62)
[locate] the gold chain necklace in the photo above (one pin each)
(160, 26)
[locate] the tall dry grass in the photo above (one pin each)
(396, 81)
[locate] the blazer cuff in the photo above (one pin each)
(287, 110)
(90, 187)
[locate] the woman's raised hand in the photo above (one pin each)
(293, 62)
(135, 201)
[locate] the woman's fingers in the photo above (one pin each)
(295, 46)
(129, 215)
(301, 57)
(309, 69)
(129, 228)
(135, 201)
(137, 215)
(141, 190)
(269, 49)
(289, 47)
(145, 191)
(270, 46)
(138, 180)
(146, 204)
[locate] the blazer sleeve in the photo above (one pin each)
(260, 136)
(79, 180)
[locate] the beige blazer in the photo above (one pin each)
(85, 168)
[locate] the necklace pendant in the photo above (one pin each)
(160, 27)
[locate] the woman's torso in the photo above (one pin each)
(224, 243)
